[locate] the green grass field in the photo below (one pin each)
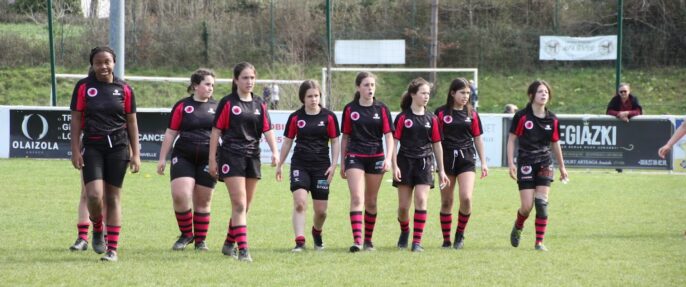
(605, 229)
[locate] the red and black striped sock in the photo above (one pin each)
(369, 223)
(82, 228)
(446, 224)
(97, 223)
(356, 225)
(541, 224)
(113, 237)
(230, 237)
(404, 226)
(201, 223)
(241, 234)
(419, 222)
(462, 220)
(519, 223)
(185, 221)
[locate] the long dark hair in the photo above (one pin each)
(456, 85)
(533, 88)
(306, 85)
(412, 88)
(237, 70)
(358, 81)
(197, 77)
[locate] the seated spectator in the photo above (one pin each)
(624, 105)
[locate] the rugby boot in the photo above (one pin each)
(318, 242)
(446, 245)
(298, 248)
(110, 256)
(230, 250)
(459, 241)
(515, 235)
(244, 255)
(416, 247)
(99, 245)
(201, 246)
(540, 247)
(355, 248)
(368, 246)
(402, 240)
(79, 245)
(181, 243)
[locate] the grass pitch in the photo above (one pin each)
(604, 229)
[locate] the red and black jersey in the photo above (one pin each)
(366, 127)
(104, 106)
(458, 130)
(416, 134)
(242, 124)
(312, 134)
(534, 135)
(193, 120)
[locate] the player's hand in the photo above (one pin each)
(444, 180)
(513, 171)
(76, 160)
(397, 176)
(662, 152)
(387, 165)
(343, 176)
(330, 172)
(278, 173)
(564, 176)
(275, 158)
(161, 165)
(484, 170)
(135, 164)
(212, 168)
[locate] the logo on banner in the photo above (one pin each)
(188, 109)
(301, 124)
(529, 125)
(447, 119)
(43, 127)
(236, 110)
(408, 123)
(92, 92)
(355, 116)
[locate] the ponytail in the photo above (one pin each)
(412, 89)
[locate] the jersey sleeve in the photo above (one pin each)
(517, 126)
(439, 113)
(556, 130)
(176, 116)
(332, 128)
(477, 128)
(387, 120)
(78, 97)
(291, 128)
(266, 120)
(346, 125)
(399, 124)
(435, 133)
(222, 117)
(129, 100)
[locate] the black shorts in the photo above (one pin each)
(415, 171)
(457, 161)
(102, 162)
(229, 165)
(194, 166)
(529, 176)
(311, 179)
(371, 165)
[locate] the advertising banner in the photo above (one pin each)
(578, 48)
(605, 142)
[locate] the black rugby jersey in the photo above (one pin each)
(312, 134)
(193, 120)
(534, 135)
(104, 106)
(416, 133)
(366, 127)
(458, 130)
(242, 124)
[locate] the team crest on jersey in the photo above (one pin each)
(321, 124)
(301, 124)
(257, 111)
(376, 116)
(236, 110)
(225, 168)
(448, 119)
(408, 123)
(526, 169)
(92, 92)
(116, 93)
(175, 160)
(529, 125)
(210, 111)
(355, 116)
(189, 109)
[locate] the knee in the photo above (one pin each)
(466, 203)
(541, 208)
(370, 206)
(320, 215)
(446, 204)
(356, 201)
(403, 213)
(299, 207)
(526, 209)
(239, 207)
